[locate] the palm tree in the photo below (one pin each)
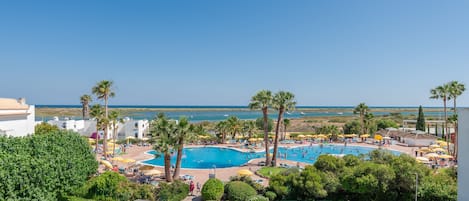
(362, 110)
(115, 120)
(103, 91)
(286, 123)
(263, 100)
(222, 128)
(442, 92)
(282, 101)
(184, 132)
(162, 129)
(368, 122)
(249, 127)
(456, 89)
(234, 126)
(85, 104)
(98, 114)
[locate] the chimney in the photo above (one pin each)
(22, 101)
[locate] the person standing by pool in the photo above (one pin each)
(191, 187)
(198, 187)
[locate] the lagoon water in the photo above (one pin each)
(218, 113)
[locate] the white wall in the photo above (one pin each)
(463, 154)
(73, 125)
(19, 124)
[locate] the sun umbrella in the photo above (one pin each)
(341, 136)
(117, 159)
(434, 146)
(422, 159)
(365, 135)
(321, 136)
(107, 164)
(145, 139)
(445, 156)
(244, 172)
(309, 136)
(128, 138)
(146, 167)
(252, 139)
(300, 136)
(260, 139)
(151, 172)
(432, 155)
(439, 150)
(425, 149)
(128, 160)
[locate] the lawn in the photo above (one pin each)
(269, 171)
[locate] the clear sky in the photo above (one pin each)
(212, 52)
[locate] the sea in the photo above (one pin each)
(219, 113)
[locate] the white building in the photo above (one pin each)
(463, 154)
(68, 124)
(16, 117)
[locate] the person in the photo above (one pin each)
(191, 188)
(198, 187)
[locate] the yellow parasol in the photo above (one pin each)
(145, 138)
(117, 159)
(434, 146)
(378, 137)
(445, 156)
(432, 155)
(365, 135)
(321, 136)
(260, 139)
(128, 160)
(244, 172)
(300, 136)
(422, 159)
(107, 164)
(252, 139)
(146, 167)
(439, 150)
(151, 172)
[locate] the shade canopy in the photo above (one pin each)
(117, 159)
(445, 156)
(422, 159)
(151, 172)
(365, 135)
(439, 150)
(432, 155)
(244, 172)
(107, 164)
(434, 146)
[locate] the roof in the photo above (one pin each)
(12, 104)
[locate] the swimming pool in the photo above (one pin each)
(210, 157)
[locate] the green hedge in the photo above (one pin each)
(175, 191)
(257, 198)
(212, 190)
(44, 167)
(239, 191)
(271, 195)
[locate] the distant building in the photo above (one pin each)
(129, 127)
(68, 124)
(16, 117)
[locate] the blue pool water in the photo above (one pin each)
(209, 157)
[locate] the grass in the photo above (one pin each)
(270, 171)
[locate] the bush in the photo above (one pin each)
(45, 166)
(212, 190)
(257, 198)
(113, 186)
(258, 187)
(239, 191)
(177, 190)
(271, 195)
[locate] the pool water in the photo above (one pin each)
(210, 157)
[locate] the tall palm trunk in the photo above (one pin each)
(178, 160)
(266, 136)
(106, 128)
(167, 166)
(279, 120)
(97, 136)
(114, 139)
(455, 151)
(362, 116)
(447, 134)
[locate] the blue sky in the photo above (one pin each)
(221, 52)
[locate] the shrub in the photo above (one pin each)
(212, 190)
(257, 198)
(45, 166)
(258, 187)
(177, 190)
(239, 191)
(271, 195)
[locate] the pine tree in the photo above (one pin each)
(420, 120)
